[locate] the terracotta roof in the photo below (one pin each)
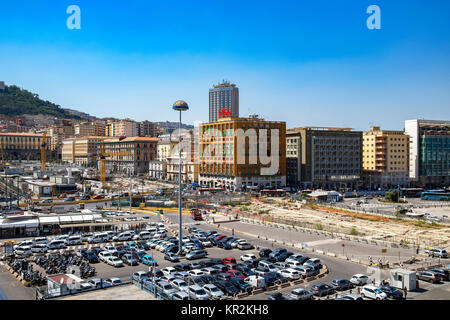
(131, 139)
(23, 134)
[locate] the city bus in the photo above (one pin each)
(435, 195)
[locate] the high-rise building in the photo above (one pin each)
(429, 152)
(324, 157)
(147, 129)
(230, 153)
(223, 101)
(385, 158)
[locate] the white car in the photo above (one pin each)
(23, 251)
(196, 272)
(206, 243)
(110, 249)
(359, 279)
(144, 235)
(169, 270)
(301, 294)
(372, 292)
(124, 236)
(180, 284)
(39, 248)
(26, 243)
(114, 261)
(104, 255)
(213, 291)
(114, 281)
(248, 257)
(290, 273)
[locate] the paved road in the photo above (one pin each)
(11, 289)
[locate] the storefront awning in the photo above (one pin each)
(27, 223)
(65, 219)
(49, 220)
(77, 218)
(87, 217)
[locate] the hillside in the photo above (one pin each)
(15, 101)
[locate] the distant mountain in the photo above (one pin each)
(15, 101)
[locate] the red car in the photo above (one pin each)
(62, 195)
(219, 237)
(236, 273)
(228, 260)
(99, 196)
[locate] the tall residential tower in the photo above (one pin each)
(223, 101)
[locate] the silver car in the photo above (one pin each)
(301, 294)
(198, 293)
(213, 291)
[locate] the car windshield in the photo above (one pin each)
(214, 289)
(378, 291)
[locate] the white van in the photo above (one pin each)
(124, 236)
(256, 282)
(73, 240)
(96, 238)
(56, 244)
(25, 243)
(144, 235)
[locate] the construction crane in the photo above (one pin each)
(102, 155)
(43, 145)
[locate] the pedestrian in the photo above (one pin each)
(405, 291)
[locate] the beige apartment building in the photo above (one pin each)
(81, 150)
(121, 128)
(385, 158)
(85, 129)
(225, 163)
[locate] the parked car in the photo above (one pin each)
(39, 248)
(290, 273)
(227, 287)
(278, 296)
(213, 291)
(372, 292)
(90, 256)
(359, 279)
(114, 261)
(350, 296)
(73, 240)
(99, 283)
(438, 252)
(392, 292)
(114, 281)
(444, 273)
(241, 284)
(180, 284)
(236, 273)
(56, 244)
(180, 295)
(430, 276)
(198, 293)
(149, 260)
(228, 260)
(322, 289)
(245, 246)
(23, 251)
(129, 259)
(140, 276)
(104, 255)
(196, 254)
(342, 284)
(301, 294)
(171, 257)
(264, 252)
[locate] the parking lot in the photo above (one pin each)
(333, 269)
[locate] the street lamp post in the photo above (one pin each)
(180, 106)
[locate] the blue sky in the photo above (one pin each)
(304, 62)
